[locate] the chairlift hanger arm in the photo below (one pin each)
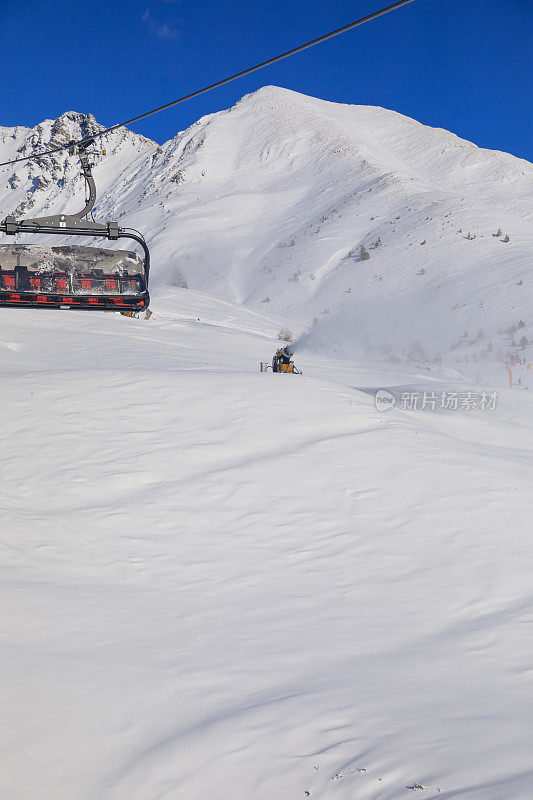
(77, 219)
(89, 180)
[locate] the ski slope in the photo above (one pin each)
(224, 584)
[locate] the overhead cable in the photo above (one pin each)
(212, 86)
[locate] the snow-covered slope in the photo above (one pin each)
(351, 218)
(224, 584)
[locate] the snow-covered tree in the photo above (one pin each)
(285, 334)
(362, 253)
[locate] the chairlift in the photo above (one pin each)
(73, 276)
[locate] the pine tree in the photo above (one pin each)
(363, 254)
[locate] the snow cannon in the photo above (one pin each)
(282, 362)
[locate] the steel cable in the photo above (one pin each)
(212, 86)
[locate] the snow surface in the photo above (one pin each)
(219, 583)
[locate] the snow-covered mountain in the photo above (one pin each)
(376, 232)
(220, 583)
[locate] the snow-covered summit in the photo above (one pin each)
(391, 141)
(379, 230)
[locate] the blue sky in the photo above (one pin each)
(464, 65)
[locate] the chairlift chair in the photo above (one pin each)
(73, 276)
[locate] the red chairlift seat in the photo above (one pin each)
(76, 277)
